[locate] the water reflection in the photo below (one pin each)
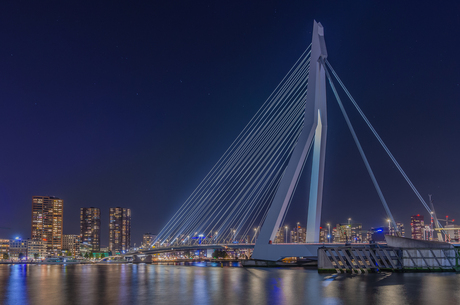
(204, 284)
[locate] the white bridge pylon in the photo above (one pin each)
(313, 135)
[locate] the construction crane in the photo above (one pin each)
(447, 220)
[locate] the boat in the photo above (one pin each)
(114, 260)
(60, 260)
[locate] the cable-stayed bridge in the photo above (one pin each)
(244, 199)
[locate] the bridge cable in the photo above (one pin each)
(361, 151)
(395, 162)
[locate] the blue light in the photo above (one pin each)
(380, 230)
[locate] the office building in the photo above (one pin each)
(417, 225)
(47, 222)
(119, 230)
(90, 228)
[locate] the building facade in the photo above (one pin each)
(4, 247)
(119, 230)
(147, 239)
(90, 228)
(281, 236)
(417, 225)
(400, 227)
(351, 233)
(47, 222)
(298, 235)
(71, 243)
(18, 249)
(36, 249)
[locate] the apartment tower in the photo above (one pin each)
(119, 230)
(47, 222)
(90, 228)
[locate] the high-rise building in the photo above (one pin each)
(323, 233)
(298, 234)
(90, 228)
(47, 222)
(417, 225)
(119, 230)
(147, 239)
(281, 236)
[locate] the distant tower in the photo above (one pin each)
(417, 225)
(90, 228)
(47, 222)
(147, 239)
(119, 230)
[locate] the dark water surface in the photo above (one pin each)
(162, 284)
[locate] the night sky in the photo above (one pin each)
(111, 103)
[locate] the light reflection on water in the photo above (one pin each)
(163, 284)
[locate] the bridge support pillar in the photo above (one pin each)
(313, 135)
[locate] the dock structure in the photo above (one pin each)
(399, 255)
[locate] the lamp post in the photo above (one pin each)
(329, 232)
(389, 227)
(286, 234)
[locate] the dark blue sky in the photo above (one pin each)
(131, 103)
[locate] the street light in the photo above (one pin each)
(329, 232)
(286, 234)
(389, 227)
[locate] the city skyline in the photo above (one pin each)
(134, 114)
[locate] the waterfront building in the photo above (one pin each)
(119, 230)
(71, 243)
(18, 248)
(90, 228)
(417, 225)
(4, 247)
(35, 248)
(147, 239)
(47, 222)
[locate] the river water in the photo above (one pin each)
(201, 284)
